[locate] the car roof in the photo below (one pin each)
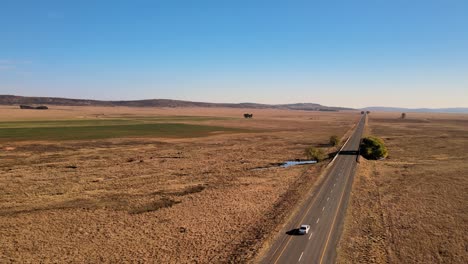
(304, 225)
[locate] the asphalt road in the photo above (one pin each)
(324, 210)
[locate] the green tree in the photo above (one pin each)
(314, 153)
(373, 148)
(334, 140)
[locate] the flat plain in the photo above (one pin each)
(163, 185)
(411, 207)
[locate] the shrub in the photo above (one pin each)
(373, 148)
(334, 141)
(315, 154)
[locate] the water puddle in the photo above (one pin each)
(286, 164)
(295, 163)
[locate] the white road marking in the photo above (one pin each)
(334, 184)
(323, 208)
(331, 191)
(310, 235)
(328, 198)
(300, 256)
(318, 219)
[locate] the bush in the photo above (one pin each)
(334, 141)
(373, 148)
(315, 154)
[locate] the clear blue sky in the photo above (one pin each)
(345, 53)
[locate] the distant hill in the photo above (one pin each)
(458, 110)
(24, 100)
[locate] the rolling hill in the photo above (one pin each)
(24, 100)
(453, 110)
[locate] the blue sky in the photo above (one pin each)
(342, 53)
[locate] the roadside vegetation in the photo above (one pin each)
(319, 154)
(334, 140)
(373, 148)
(314, 153)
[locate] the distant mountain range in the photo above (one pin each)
(458, 110)
(23, 100)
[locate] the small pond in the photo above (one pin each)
(294, 163)
(286, 164)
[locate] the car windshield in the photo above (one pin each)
(303, 227)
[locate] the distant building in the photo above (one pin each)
(26, 107)
(41, 107)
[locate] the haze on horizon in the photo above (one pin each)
(337, 53)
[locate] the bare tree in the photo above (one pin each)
(403, 115)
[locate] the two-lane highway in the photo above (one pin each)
(324, 211)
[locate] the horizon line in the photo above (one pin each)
(245, 102)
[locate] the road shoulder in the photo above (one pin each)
(363, 238)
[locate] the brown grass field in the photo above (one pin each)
(167, 197)
(411, 207)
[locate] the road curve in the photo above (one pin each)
(324, 210)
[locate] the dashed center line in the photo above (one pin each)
(334, 184)
(310, 235)
(328, 198)
(318, 219)
(301, 256)
(323, 208)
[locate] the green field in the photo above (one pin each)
(107, 121)
(168, 127)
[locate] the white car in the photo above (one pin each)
(304, 229)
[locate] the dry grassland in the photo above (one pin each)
(411, 207)
(155, 199)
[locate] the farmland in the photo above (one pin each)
(82, 131)
(411, 207)
(169, 185)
